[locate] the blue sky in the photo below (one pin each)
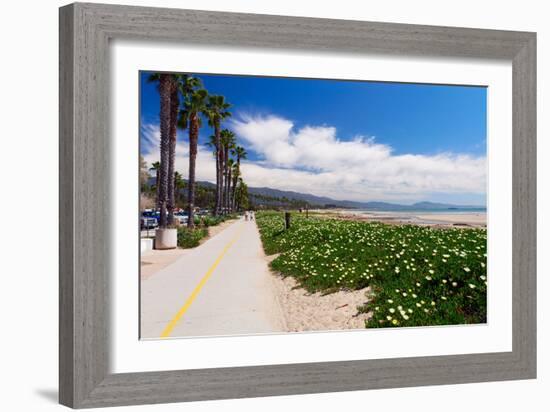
(378, 141)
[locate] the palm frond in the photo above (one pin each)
(183, 120)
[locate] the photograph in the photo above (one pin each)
(273, 205)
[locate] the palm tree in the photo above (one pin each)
(179, 184)
(227, 143)
(230, 169)
(242, 195)
(190, 118)
(155, 167)
(212, 144)
(143, 174)
(235, 173)
(217, 111)
(174, 109)
(240, 153)
(165, 86)
(181, 84)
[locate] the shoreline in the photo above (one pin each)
(446, 219)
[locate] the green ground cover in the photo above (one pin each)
(419, 276)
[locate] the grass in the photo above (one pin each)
(419, 276)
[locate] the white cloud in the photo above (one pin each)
(314, 160)
(311, 147)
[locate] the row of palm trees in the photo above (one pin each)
(229, 164)
(184, 102)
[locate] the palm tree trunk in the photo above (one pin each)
(226, 174)
(234, 188)
(157, 186)
(229, 198)
(193, 140)
(164, 90)
(217, 202)
(220, 185)
(239, 196)
(228, 188)
(222, 179)
(174, 107)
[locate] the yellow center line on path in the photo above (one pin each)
(177, 317)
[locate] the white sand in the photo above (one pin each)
(304, 311)
(474, 219)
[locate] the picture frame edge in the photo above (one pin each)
(84, 378)
(66, 320)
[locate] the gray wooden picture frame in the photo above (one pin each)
(85, 32)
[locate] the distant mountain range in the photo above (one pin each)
(349, 204)
(275, 197)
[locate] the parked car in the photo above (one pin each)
(181, 218)
(149, 220)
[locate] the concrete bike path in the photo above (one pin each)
(223, 287)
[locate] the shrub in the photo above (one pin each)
(208, 221)
(188, 238)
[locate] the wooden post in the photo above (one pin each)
(287, 220)
(307, 211)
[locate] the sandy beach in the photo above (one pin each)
(469, 219)
(303, 311)
(423, 218)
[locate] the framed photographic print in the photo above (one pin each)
(262, 205)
